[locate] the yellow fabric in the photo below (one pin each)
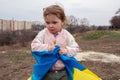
(84, 75)
(29, 78)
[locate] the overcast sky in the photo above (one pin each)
(98, 12)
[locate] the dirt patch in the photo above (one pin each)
(107, 46)
(16, 64)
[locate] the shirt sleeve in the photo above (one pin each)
(38, 42)
(72, 48)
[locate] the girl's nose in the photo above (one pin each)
(50, 25)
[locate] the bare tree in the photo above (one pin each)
(84, 22)
(118, 12)
(76, 25)
(72, 20)
(115, 21)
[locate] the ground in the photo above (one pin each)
(16, 62)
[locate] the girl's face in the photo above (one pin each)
(53, 23)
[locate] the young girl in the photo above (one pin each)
(54, 35)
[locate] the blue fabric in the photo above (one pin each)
(45, 60)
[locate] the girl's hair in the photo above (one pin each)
(55, 10)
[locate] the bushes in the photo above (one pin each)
(22, 37)
(6, 38)
(77, 28)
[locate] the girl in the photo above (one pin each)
(54, 35)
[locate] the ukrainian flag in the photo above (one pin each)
(45, 60)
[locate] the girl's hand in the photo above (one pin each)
(62, 51)
(51, 47)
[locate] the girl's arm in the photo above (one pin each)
(37, 44)
(72, 48)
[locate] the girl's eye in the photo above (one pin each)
(54, 22)
(48, 22)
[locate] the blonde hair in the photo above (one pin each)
(55, 10)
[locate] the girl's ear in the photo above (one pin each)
(62, 23)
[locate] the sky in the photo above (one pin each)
(97, 12)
